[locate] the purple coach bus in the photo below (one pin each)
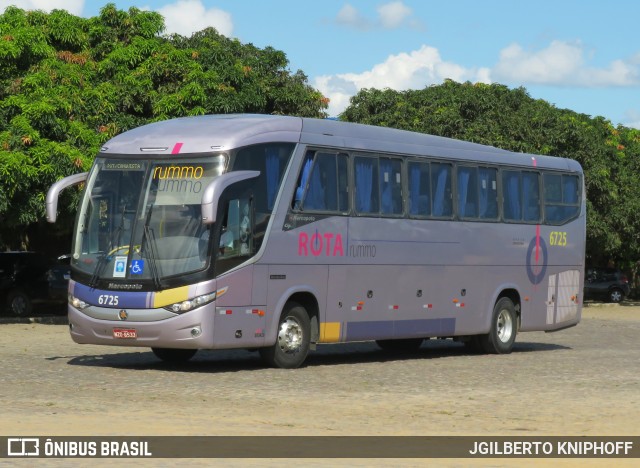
(278, 233)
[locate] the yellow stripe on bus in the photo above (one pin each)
(170, 296)
(329, 332)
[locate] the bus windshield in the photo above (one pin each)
(141, 220)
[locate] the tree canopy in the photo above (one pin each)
(68, 84)
(510, 119)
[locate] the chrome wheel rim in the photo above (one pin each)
(290, 336)
(504, 326)
(616, 296)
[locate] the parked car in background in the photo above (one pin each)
(30, 278)
(606, 284)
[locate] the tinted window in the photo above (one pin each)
(521, 196)
(467, 192)
(488, 189)
(561, 197)
(343, 183)
(531, 196)
(366, 177)
(322, 185)
(390, 186)
(441, 190)
(271, 160)
(511, 196)
(419, 189)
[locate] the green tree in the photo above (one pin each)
(68, 84)
(510, 119)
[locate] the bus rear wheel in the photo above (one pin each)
(502, 333)
(292, 343)
(173, 355)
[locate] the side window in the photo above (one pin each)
(321, 189)
(467, 192)
(531, 196)
(488, 190)
(441, 193)
(236, 230)
(236, 237)
(419, 189)
(390, 186)
(322, 185)
(365, 177)
(271, 160)
(561, 197)
(511, 196)
(521, 196)
(303, 181)
(378, 185)
(343, 183)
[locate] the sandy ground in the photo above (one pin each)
(584, 381)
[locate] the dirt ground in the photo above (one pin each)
(584, 381)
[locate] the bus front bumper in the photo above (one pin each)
(191, 330)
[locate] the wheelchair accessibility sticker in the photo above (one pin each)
(137, 267)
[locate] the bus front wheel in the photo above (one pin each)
(292, 343)
(502, 333)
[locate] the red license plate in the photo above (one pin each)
(125, 333)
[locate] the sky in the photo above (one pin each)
(582, 55)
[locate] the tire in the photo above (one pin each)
(502, 333)
(19, 304)
(293, 341)
(400, 346)
(174, 355)
(616, 295)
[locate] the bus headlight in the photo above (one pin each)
(77, 303)
(190, 304)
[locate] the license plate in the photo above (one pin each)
(125, 333)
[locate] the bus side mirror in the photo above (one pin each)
(54, 192)
(212, 192)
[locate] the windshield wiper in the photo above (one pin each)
(149, 240)
(102, 261)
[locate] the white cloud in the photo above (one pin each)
(559, 64)
(350, 17)
(392, 15)
(562, 64)
(74, 7)
(188, 16)
(413, 70)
